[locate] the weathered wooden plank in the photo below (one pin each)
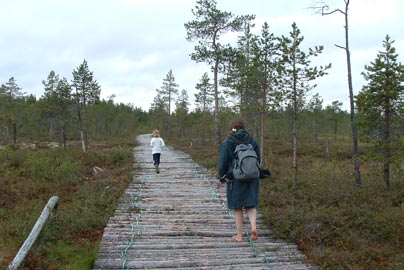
(178, 220)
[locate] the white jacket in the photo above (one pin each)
(156, 143)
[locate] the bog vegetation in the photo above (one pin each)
(342, 218)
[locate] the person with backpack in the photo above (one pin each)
(156, 143)
(239, 167)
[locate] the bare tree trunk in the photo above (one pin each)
(262, 140)
(64, 137)
(51, 128)
(84, 127)
(351, 96)
(315, 131)
(83, 145)
(351, 99)
(335, 130)
(14, 133)
(5, 133)
(263, 123)
(294, 135)
(294, 146)
(386, 148)
(218, 135)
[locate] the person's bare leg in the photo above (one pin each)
(238, 217)
(252, 216)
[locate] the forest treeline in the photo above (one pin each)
(266, 80)
(269, 81)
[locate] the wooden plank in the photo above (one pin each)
(178, 220)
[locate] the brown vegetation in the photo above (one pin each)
(336, 223)
(29, 178)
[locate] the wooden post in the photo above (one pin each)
(52, 204)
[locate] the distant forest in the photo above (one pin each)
(266, 79)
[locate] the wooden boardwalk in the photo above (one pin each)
(178, 220)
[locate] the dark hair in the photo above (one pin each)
(236, 124)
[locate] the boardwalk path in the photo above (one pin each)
(178, 220)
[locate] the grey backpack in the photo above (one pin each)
(246, 165)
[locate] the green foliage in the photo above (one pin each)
(339, 228)
(381, 107)
(87, 89)
(119, 155)
(86, 201)
(204, 98)
(338, 225)
(207, 27)
(59, 165)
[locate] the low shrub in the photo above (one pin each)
(86, 202)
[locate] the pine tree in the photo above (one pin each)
(242, 75)
(204, 103)
(204, 98)
(297, 76)
(208, 26)
(87, 92)
(12, 91)
(315, 106)
(181, 112)
(168, 92)
(334, 110)
(267, 57)
(50, 98)
(158, 107)
(381, 106)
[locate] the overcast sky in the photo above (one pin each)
(130, 45)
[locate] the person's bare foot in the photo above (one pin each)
(237, 238)
(254, 235)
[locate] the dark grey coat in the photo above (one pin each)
(239, 194)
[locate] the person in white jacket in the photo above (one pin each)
(156, 143)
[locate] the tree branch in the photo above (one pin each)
(321, 8)
(341, 47)
(331, 12)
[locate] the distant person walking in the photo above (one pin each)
(240, 194)
(156, 143)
